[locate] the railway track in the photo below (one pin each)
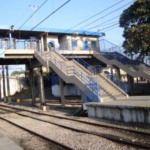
(97, 128)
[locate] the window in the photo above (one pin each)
(74, 43)
(93, 44)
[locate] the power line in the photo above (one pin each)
(96, 14)
(102, 23)
(25, 12)
(50, 14)
(105, 15)
(32, 14)
(109, 26)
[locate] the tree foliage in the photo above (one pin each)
(136, 23)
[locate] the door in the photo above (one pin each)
(85, 45)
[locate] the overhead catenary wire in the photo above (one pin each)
(108, 27)
(103, 23)
(50, 14)
(25, 12)
(103, 16)
(33, 14)
(96, 14)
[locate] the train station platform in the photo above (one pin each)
(7, 144)
(136, 109)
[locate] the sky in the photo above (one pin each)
(16, 12)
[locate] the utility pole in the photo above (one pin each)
(4, 92)
(7, 73)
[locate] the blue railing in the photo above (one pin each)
(82, 62)
(113, 78)
(93, 96)
(117, 82)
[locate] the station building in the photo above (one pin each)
(81, 59)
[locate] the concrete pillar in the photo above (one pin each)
(45, 42)
(82, 97)
(42, 44)
(31, 75)
(118, 72)
(62, 92)
(8, 85)
(4, 86)
(130, 83)
(111, 72)
(41, 87)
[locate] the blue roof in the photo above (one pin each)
(65, 31)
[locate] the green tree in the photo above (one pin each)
(136, 23)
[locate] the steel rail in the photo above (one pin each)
(117, 139)
(80, 121)
(38, 135)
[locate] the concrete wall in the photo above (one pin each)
(54, 39)
(67, 40)
(69, 90)
(120, 113)
(16, 84)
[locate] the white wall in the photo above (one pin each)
(53, 38)
(69, 90)
(15, 85)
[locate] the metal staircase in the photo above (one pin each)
(95, 87)
(71, 72)
(113, 56)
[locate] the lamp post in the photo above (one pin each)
(7, 72)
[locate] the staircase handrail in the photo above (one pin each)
(117, 82)
(72, 70)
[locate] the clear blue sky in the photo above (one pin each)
(15, 12)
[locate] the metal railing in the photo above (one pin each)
(116, 81)
(98, 69)
(20, 44)
(109, 47)
(89, 83)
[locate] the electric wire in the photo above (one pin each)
(104, 16)
(50, 14)
(25, 12)
(108, 27)
(33, 14)
(102, 23)
(96, 14)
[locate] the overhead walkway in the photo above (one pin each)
(134, 68)
(93, 86)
